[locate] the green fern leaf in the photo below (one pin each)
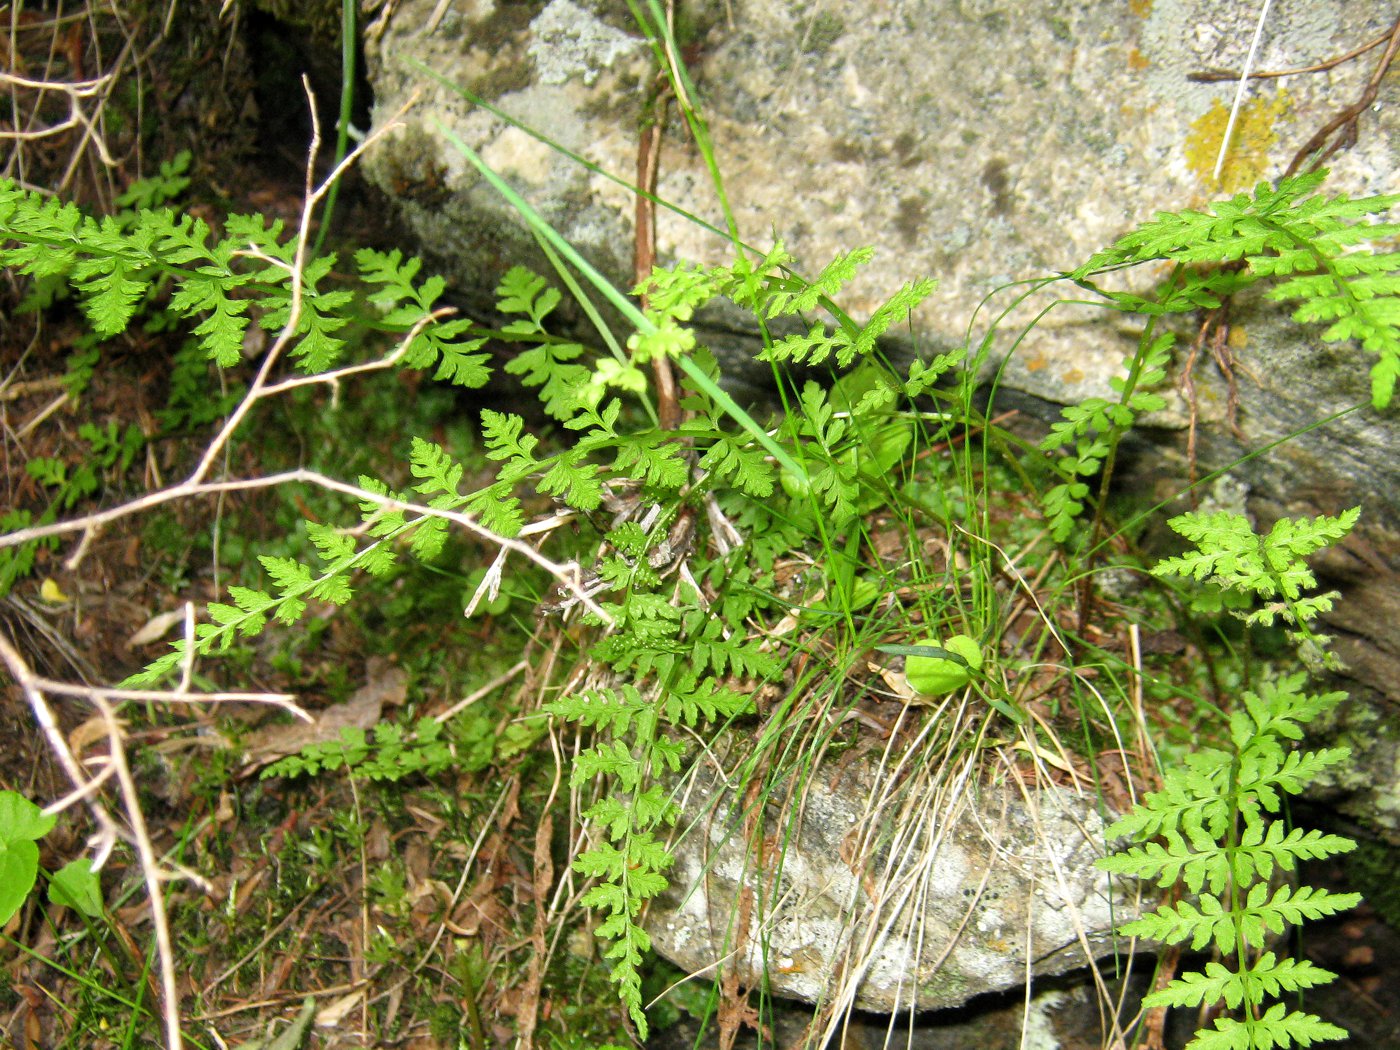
(796, 297)
(504, 442)
(574, 480)
(437, 471)
(551, 367)
(893, 311)
(654, 458)
(1276, 1028)
(810, 349)
(676, 292)
(1288, 907)
(747, 467)
(1182, 921)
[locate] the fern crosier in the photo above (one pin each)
(1212, 827)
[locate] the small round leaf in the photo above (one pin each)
(19, 866)
(937, 675)
(76, 886)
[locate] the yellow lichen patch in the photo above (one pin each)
(1238, 338)
(1137, 61)
(1253, 137)
(1141, 8)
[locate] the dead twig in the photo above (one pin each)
(1215, 76)
(1345, 124)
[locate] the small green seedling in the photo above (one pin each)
(22, 824)
(932, 674)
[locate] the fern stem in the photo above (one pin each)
(1115, 437)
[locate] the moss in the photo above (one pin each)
(825, 30)
(501, 80)
(1371, 871)
(412, 172)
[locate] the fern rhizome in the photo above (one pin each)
(689, 522)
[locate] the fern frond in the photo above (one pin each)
(924, 374)
(893, 311)
(654, 458)
(1263, 913)
(553, 368)
(746, 283)
(1183, 921)
(736, 459)
(795, 296)
(1286, 231)
(1276, 1028)
(677, 292)
(603, 709)
(1230, 555)
(1267, 978)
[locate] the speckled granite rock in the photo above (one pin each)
(883, 899)
(976, 141)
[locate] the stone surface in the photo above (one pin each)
(872, 895)
(975, 141)
(1054, 1019)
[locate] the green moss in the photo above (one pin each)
(824, 31)
(1371, 872)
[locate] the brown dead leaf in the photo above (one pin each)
(156, 628)
(387, 685)
(89, 732)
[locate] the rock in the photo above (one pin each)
(1053, 1019)
(975, 141)
(882, 899)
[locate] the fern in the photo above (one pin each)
(109, 450)
(393, 753)
(629, 863)
(295, 584)
(1314, 246)
(1211, 825)
(551, 365)
(847, 342)
(1087, 434)
(1231, 557)
(220, 285)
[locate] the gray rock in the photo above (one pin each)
(975, 141)
(884, 899)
